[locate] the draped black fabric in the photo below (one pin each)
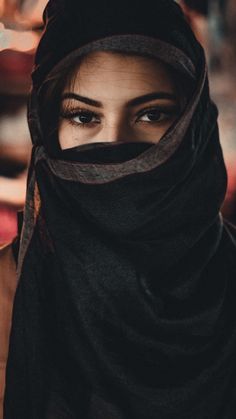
(125, 305)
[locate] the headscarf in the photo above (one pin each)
(124, 306)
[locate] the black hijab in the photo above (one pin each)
(125, 305)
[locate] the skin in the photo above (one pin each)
(114, 80)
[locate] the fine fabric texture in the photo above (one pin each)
(125, 304)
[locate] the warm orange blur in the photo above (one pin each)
(18, 41)
(29, 12)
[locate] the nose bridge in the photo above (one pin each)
(115, 127)
(113, 132)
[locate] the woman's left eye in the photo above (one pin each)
(156, 115)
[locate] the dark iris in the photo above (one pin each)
(153, 115)
(85, 117)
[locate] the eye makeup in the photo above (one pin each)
(157, 114)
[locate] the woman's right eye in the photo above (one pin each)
(81, 118)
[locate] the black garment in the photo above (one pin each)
(201, 6)
(125, 306)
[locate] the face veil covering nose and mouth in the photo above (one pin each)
(124, 308)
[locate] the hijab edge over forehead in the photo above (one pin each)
(134, 43)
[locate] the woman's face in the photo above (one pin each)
(117, 98)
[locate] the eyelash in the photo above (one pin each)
(70, 114)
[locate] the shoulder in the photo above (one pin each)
(7, 261)
(8, 284)
(7, 276)
(8, 280)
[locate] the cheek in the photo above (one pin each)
(150, 135)
(154, 132)
(72, 136)
(65, 135)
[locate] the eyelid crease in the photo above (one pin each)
(74, 111)
(160, 108)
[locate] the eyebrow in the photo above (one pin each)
(131, 103)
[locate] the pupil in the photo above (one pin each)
(153, 115)
(85, 117)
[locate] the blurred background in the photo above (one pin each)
(214, 23)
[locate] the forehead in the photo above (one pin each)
(104, 68)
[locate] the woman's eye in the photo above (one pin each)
(80, 117)
(156, 115)
(83, 118)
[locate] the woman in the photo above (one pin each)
(125, 300)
